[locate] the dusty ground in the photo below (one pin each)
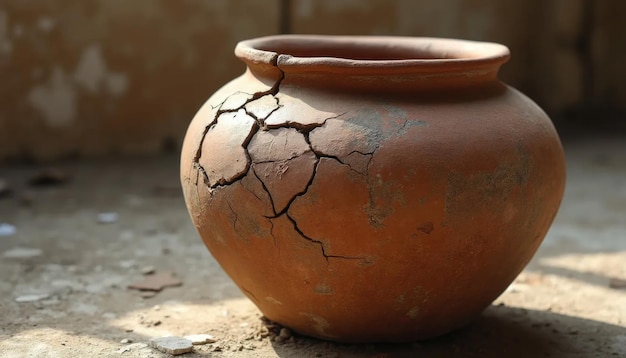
(562, 305)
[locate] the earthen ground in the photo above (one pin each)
(562, 305)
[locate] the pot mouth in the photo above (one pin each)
(360, 54)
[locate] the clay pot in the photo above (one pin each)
(373, 189)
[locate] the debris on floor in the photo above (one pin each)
(617, 283)
(49, 177)
(200, 339)
(108, 218)
(21, 252)
(31, 297)
(283, 336)
(157, 282)
(148, 270)
(172, 345)
(7, 229)
(132, 347)
(5, 189)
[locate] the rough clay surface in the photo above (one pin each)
(560, 306)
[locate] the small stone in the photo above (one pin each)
(171, 345)
(31, 298)
(148, 294)
(5, 189)
(285, 333)
(148, 270)
(49, 177)
(617, 283)
(126, 341)
(108, 218)
(199, 339)
(7, 229)
(283, 336)
(22, 253)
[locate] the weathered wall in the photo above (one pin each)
(103, 77)
(114, 76)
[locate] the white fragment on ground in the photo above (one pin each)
(31, 297)
(7, 229)
(107, 218)
(172, 345)
(132, 347)
(21, 253)
(199, 339)
(126, 341)
(148, 270)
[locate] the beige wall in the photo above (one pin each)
(103, 77)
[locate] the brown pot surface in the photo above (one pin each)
(375, 189)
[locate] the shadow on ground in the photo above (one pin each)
(500, 332)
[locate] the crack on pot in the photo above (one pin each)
(376, 214)
(274, 237)
(303, 192)
(253, 192)
(305, 129)
(321, 244)
(259, 124)
(344, 162)
(235, 215)
(266, 190)
(260, 119)
(285, 212)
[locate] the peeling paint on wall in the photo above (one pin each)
(92, 73)
(115, 76)
(45, 24)
(55, 100)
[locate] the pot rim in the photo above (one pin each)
(389, 54)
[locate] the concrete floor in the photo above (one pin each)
(562, 305)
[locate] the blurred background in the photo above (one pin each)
(115, 77)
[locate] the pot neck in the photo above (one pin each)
(374, 64)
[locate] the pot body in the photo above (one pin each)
(370, 216)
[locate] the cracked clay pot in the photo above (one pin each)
(371, 189)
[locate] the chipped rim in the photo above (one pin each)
(375, 54)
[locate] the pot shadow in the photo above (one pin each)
(500, 331)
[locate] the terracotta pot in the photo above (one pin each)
(372, 189)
